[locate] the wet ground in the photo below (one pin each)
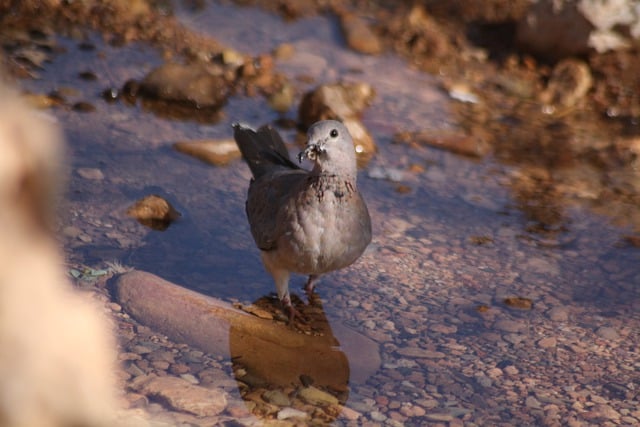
(502, 289)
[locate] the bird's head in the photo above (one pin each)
(330, 147)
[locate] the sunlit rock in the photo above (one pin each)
(154, 212)
(195, 84)
(216, 152)
(359, 35)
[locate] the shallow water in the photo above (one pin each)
(431, 287)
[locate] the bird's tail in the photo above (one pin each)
(263, 150)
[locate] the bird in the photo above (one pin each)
(308, 222)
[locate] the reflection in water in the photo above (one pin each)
(307, 367)
(289, 364)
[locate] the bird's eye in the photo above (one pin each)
(333, 133)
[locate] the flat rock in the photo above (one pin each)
(181, 395)
(268, 350)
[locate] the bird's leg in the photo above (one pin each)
(293, 313)
(311, 284)
(281, 277)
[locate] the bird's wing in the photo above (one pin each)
(268, 197)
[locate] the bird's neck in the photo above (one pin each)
(333, 173)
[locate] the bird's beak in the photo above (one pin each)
(312, 151)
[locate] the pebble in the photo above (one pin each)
(276, 397)
(607, 333)
(288, 413)
(508, 325)
(439, 417)
(532, 402)
(316, 396)
(558, 314)
(548, 342)
(350, 414)
(377, 416)
(93, 174)
(184, 396)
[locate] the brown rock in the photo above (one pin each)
(343, 102)
(456, 142)
(358, 34)
(269, 350)
(215, 152)
(154, 212)
(554, 30)
(569, 83)
(181, 395)
(334, 102)
(194, 84)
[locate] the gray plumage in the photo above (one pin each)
(306, 222)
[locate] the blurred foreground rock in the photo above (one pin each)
(57, 358)
(268, 350)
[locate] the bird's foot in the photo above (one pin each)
(293, 312)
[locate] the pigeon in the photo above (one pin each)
(304, 222)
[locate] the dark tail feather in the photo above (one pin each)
(262, 149)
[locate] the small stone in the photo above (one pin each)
(276, 397)
(558, 314)
(179, 368)
(215, 152)
(349, 414)
(508, 325)
(316, 396)
(483, 380)
(160, 365)
(494, 373)
(195, 84)
(141, 349)
(358, 34)
(511, 370)
(532, 402)
(180, 395)
(607, 333)
(288, 413)
(71, 231)
(378, 416)
(93, 174)
(548, 342)
(440, 417)
(153, 211)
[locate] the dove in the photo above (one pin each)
(307, 222)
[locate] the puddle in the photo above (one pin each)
(449, 246)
